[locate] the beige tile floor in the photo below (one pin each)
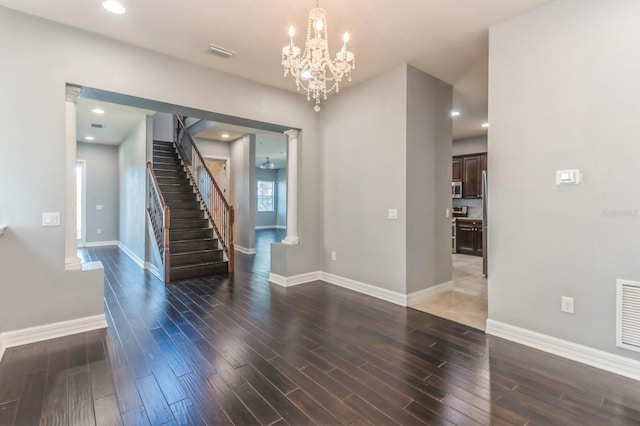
(467, 303)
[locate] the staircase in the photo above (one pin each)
(194, 249)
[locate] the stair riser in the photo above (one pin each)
(177, 197)
(173, 162)
(195, 245)
(163, 180)
(191, 258)
(188, 224)
(186, 214)
(189, 234)
(171, 189)
(183, 205)
(176, 174)
(199, 271)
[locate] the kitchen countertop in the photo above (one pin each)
(468, 218)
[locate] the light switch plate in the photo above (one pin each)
(393, 214)
(568, 177)
(98, 206)
(51, 219)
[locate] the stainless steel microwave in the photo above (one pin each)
(456, 189)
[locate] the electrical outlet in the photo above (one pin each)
(98, 206)
(99, 231)
(567, 304)
(393, 214)
(333, 255)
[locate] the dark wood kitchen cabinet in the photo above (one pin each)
(456, 172)
(469, 236)
(468, 169)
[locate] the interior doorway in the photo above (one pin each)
(219, 168)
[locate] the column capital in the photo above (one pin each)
(72, 93)
(292, 133)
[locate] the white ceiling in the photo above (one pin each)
(117, 121)
(444, 38)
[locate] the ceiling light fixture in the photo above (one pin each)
(313, 69)
(485, 125)
(225, 136)
(455, 113)
(268, 165)
(89, 138)
(97, 111)
(114, 6)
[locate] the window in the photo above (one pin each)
(265, 196)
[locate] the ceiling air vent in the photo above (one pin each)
(220, 51)
(628, 315)
(97, 126)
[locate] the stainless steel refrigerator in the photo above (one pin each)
(485, 223)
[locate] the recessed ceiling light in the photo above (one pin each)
(114, 7)
(485, 125)
(97, 111)
(225, 135)
(455, 113)
(89, 138)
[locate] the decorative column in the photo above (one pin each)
(292, 188)
(71, 259)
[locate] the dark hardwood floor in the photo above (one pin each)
(237, 350)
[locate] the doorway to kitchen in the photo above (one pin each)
(466, 301)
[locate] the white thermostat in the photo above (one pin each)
(568, 177)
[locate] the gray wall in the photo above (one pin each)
(366, 123)
(212, 148)
(428, 174)
(244, 190)
(33, 87)
(281, 220)
(473, 145)
(566, 98)
(132, 158)
(267, 219)
(163, 127)
(102, 188)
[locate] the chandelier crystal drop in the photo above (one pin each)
(313, 69)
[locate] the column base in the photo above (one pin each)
(291, 241)
(72, 263)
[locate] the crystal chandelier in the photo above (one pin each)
(314, 70)
(268, 165)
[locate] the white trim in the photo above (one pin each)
(244, 250)
(82, 242)
(2, 347)
(126, 250)
(594, 357)
(25, 336)
(101, 244)
(266, 227)
(368, 289)
(428, 293)
(295, 279)
(281, 227)
(153, 269)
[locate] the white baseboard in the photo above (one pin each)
(101, 244)
(368, 289)
(154, 270)
(281, 227)
(428, 293)
(295, 280)
(244, 250)
(25, 336)
(265, 227)
(594, 357)
(2, 347)
(131, 254)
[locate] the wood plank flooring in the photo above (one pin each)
(237, 350)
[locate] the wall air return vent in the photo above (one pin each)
(220, 51)
(97, 126)
(628, 315)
